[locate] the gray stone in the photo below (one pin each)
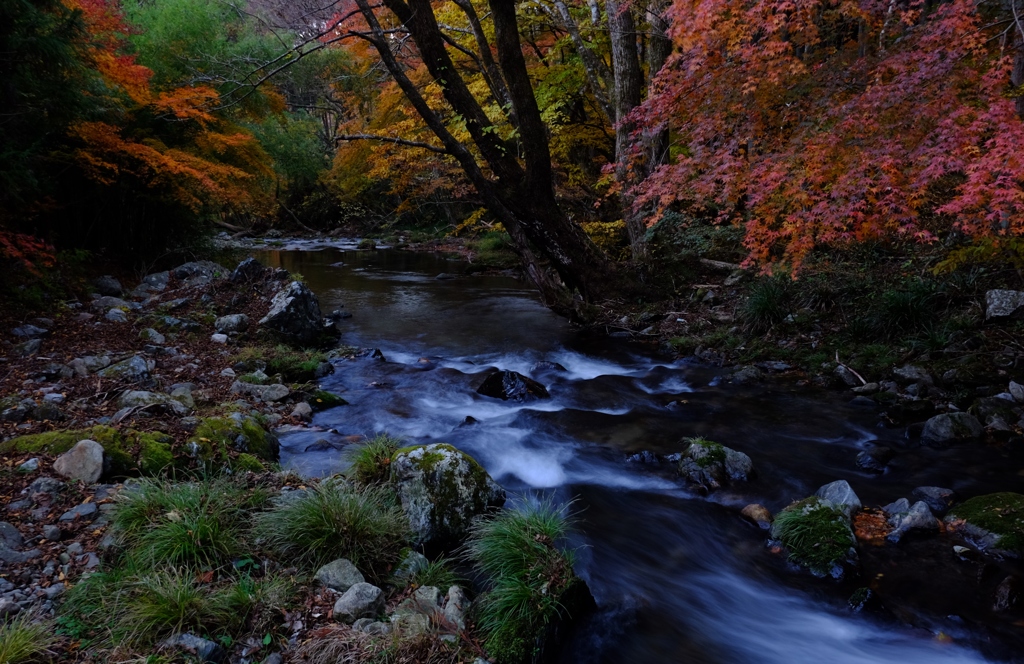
(52, 533)
(152, 335)
(116, 316)
(12, 557)
(442, 489)
(428, 597)
(910, 373)
(46, 485)
(938, 499)
(303, 411)
(74, 548)
(108, 285)
(262, 392)
(183, 394)
(875, 459)
(153, 402)
(1016, 390)
(82, 462)
(1007, 594)
(294, 316)
(10, 535)
(134, 369)
(8, 607)
(197, 272)
(840, 494)
(152, 283)
(1002, 304)
(413, 563)
(231, 324)
(917, 517)
(30, 466)
(90, 364)
(248, 271)
(377, 628)
(219, 338)
(866, 388)
(846, 376)
(108, 302)
(455, 607)
(707, 465)
(29, 331)
(410, 623)
(204, 650)
(27, 348)
(339, 575)
(952, 427)
(84, 510)
(362, 600)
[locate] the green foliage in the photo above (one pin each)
(817, 535)
(902, 310)
(333, 520)
(294, 366)
(767, 305)
(371, 461)
(25, 639)
(530, 577)
(438, 573)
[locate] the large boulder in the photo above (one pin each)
(840, 495)
(1003, 304)
(952, 428)
(512, 386)
(82, 462)
(199, 272)
(231, 323)
(993, 522)
(250, 270)
(135, 369)
(441, 490)
(294, 316)
(707, 465)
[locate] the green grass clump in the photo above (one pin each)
(817, 535)
(767, 305)
(333, 520)
(531, 578)
(438, 573)
(295, 366)
(371, 462)
(22, 640)
(902, 310)
(196, 523)
(999, 513)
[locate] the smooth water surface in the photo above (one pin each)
(678, 577)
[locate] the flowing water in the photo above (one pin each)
(678, 577)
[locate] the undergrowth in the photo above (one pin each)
(371, 462)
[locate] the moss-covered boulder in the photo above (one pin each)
(817, 535)
(993, 523)
(216, 438)
(125, 453)
(322, 400)
(707, 465)
(442, 490)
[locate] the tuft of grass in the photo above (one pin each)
(25, 640)
(371, 462)
(817, 535)
(767, 305)
(295, 366)
(531, 577)
(197, 523)
(333, 520)
(905, 310)
(437, 573)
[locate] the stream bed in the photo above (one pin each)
(678, 577)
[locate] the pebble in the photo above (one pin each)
(51, 533)
(219, 338)
(30, 466)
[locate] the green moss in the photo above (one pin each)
(999, 513)
(710, 453)
(217, 436)
(115, 446)
(322, 400)
(247, 462)
(296, 366)
(155, 453)
(817, 535)
(444, 487)
(254, 378)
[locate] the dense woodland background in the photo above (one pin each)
(579, 134)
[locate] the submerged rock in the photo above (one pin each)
(512, 386)
(708, 465)
(442, 489)
(937, 499)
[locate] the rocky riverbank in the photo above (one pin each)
(143, 514)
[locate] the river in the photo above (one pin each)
(678, 577)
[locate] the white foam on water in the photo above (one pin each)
(671, 385)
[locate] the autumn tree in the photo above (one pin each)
(826, 122)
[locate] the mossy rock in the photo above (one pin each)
(322, 400)
(442, 489)
(215, 438)
(127, 453)
(707, 465)
(817, 535)
(994, 522)
(248, 463)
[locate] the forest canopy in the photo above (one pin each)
(140, 126)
